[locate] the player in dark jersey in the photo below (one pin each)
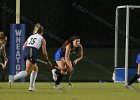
(62, 57)
(3, 57)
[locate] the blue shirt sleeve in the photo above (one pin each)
(138, 59)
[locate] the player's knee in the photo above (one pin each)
(36, 68)
(28, 72)
(138, 73)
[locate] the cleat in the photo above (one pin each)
(128, 87)
(57, 87)
(11, 80)
(54, 74)
(32, 89)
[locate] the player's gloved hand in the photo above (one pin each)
(62, 69)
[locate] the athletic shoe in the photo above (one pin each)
(128, 87)
(54, 74)
(32, 89)
(57, 87)
(11, 80)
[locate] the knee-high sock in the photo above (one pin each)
(20, 75)
(59, 79)
(33, 78)
(133, 79)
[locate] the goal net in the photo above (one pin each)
(127, 42)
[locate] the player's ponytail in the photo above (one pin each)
(36, 27)
(40, 30)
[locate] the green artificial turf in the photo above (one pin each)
(80, 91)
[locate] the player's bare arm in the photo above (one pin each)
(67, 55)
(24, 46)
(81, 55)
(43, 41)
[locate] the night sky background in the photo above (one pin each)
(92, 20)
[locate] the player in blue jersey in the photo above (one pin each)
(31, 47)
(62, 57)
(136, 76)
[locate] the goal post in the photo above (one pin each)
(17, 39)
(126, 33)
(17, 11)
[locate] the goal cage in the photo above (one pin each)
(127, 34)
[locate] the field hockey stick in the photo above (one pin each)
(41, 61)
(70, 75)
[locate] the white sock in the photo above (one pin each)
(33, 78)
(138, 80)
(20, 75)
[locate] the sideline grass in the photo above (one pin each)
(80, 91)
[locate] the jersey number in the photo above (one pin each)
(32, 41)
